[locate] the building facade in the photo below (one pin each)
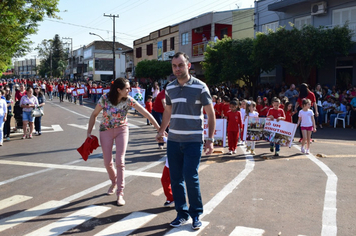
(243, 23)
(270, 14)
(26, 68)
(98, 60)
(195, 34)
(159, 45)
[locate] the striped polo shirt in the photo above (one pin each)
(187, 103)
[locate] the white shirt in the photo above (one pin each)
(306, 116)
(3, 107)
(253, 114)
(243, 112)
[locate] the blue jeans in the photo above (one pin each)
(184, 160)
(278, 147)
(158, 117)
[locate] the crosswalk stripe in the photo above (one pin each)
(70, 221)
(13, 201)
(186, 229)
(127, 225)
(29, 214)
(245, 231)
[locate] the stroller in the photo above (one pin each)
(18, 115)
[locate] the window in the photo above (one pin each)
(172, 43)
(270, 26)
(185, 38)
(149, 49)
(165, 45)
(223, 32)
(346, 15)
(138, 52)
(300, 22)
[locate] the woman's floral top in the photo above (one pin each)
(114, 116)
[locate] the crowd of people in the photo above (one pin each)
(179, 105)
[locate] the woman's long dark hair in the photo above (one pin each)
(113, 95)
(303, 93)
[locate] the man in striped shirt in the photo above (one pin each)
(185, 99)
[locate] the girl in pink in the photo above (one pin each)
(114, 127)
(307, 124)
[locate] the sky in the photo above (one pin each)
(137, 18)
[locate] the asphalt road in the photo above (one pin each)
(47, 189)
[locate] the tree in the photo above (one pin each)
(53, 56)
(153, 69)
(231, 60)
(301, 50)
(18, 20)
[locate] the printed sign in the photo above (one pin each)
(80, 91)
(106, 90)
(74, 93)
(93, 91)
(139, 95)
(220, 132)
(99, 91)
(280, 132)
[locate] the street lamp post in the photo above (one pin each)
(113, 53)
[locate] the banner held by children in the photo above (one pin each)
(219, 134)
(280, 132)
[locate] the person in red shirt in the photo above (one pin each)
(225, 107)
(234, 125)
(264, 110)
(278, 114)
(288, 110)
(259, 104)
(149, 106)
(158, 109)
(217, 108)
(61, 91)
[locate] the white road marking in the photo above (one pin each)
(244, 231)
(186, 229)
(56, 128)
(85, 127)
(159, 191)
(33, 173)
(69, 222)
(127, 225)
(5, 203)
(82, 168)
(220, 196)
(30, 214)
(329, 225)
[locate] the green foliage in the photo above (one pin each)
(230, 60)
(153, 69)
(18, 20)
(52, 50)
(299, 51)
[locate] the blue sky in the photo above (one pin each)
(137, 18)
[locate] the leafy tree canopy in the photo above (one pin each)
(18, 20)
(301, 50)
(153, 69)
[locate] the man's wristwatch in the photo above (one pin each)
(210, 139)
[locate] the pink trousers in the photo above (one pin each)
(107, 138)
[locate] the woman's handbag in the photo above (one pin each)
(37, 112)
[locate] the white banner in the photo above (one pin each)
(220, 132)
(280, 132)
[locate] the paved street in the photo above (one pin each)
(47, 189)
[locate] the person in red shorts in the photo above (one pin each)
(148, 106)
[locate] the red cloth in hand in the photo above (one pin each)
(88, 147)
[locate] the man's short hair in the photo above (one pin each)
(178, 54)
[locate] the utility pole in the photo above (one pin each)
(71, 54)
(113, 45)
